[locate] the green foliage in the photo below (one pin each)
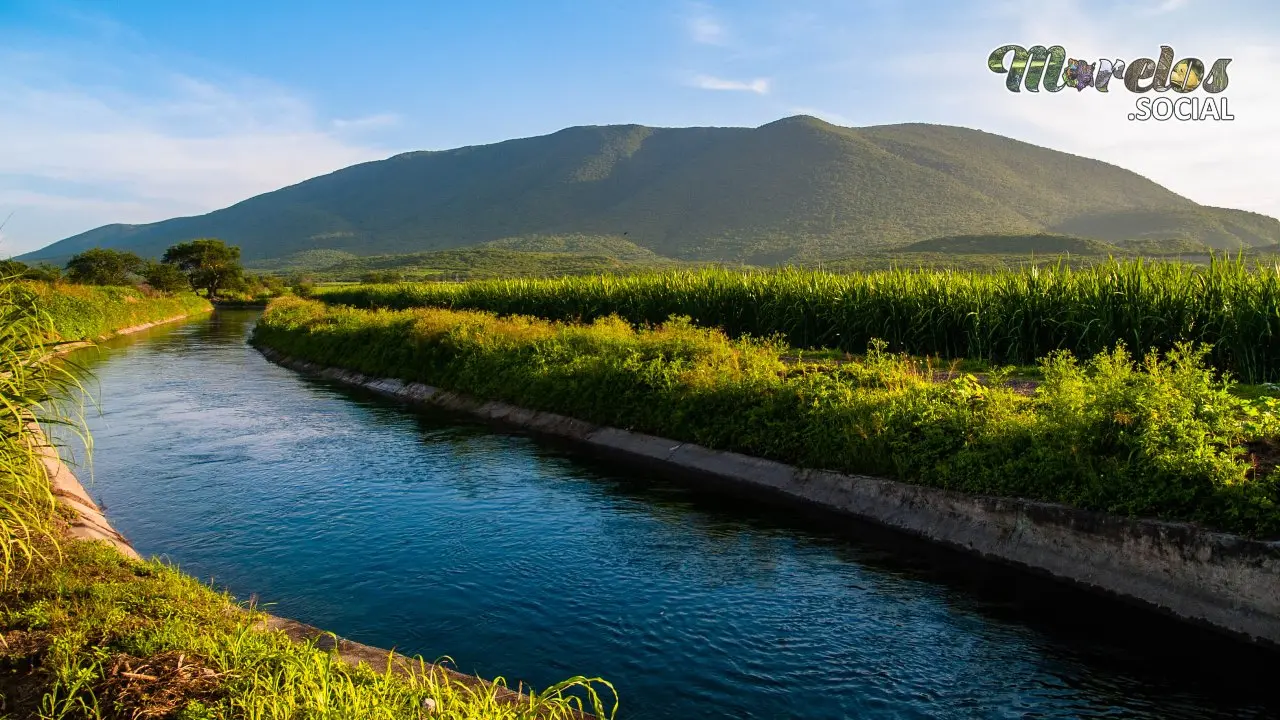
(80, 312)
(30, 388)
(165, 277)
(374, 277)
(795, 190)
(466, 264)
(1162, 438)
(97, 635)
(999, 317)
(1037, 244)
(104, 266)
(211, 265)
(114, 638)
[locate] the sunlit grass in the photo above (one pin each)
(86, 633)
(105, 637)
(1154, 436)
(1011, 317)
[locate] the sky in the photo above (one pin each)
(135, 111)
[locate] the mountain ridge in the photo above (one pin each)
(794, 189)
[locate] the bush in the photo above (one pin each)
(1160, 438)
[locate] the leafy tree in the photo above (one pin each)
(45, 272)
(381, 276)
(210, 264)
(104, 266)
(13, 268)
(165, 277)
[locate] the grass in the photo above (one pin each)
(1015, 317)
(88, 634)
(1155, 436)
(101, 636)
(87, 312)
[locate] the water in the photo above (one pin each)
(438, 536)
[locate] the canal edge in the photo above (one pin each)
(90, 523)
(1219, 580)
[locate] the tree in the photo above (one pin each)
(165, 278)
(46, 272)
(104, 266)
(13, 269)
(210, 264)
(381, 276)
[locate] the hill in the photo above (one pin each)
(1037, 244)
(795, 190)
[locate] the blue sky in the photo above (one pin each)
(135, 111)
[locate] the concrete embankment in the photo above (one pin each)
(1215, 579)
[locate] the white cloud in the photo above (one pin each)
(1165, 6)
(1215, 163)
(760, 86)
(703, 26)
(368, 122)
(93, 153)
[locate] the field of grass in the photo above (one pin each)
(1156, 437)
(1014, 317)
(87, 634)
(80, 312)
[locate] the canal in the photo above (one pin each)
(516, 558)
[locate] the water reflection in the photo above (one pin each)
(519, 558)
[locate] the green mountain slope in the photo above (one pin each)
(798, 189)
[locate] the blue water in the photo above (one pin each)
(442, 537)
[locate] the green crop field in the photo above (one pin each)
(1152, 437)
(1014, 317)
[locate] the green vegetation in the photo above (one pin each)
(86, 312)
(29, 390)
(1160, 438)
(18, 270)
(1027, 245)
(206, 264)
(86, 633)
(468, 264)
(798, 190)
(210, 264)
(96, 635)
(104, 266)
(1007, 317)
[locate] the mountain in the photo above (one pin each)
(793, 190)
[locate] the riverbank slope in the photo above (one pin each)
(692, 399)
(89, 630)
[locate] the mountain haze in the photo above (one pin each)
(795, 189)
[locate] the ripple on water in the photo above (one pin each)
(518, 559)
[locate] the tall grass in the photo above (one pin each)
(1013, 317)
(98, 636)
(30, 390)
(87, 312)
(1153, 436)
(114, 638)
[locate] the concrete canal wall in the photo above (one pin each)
(1223, 581)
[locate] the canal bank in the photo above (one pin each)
(426, 530)
(87, 521)
(1226, 582)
